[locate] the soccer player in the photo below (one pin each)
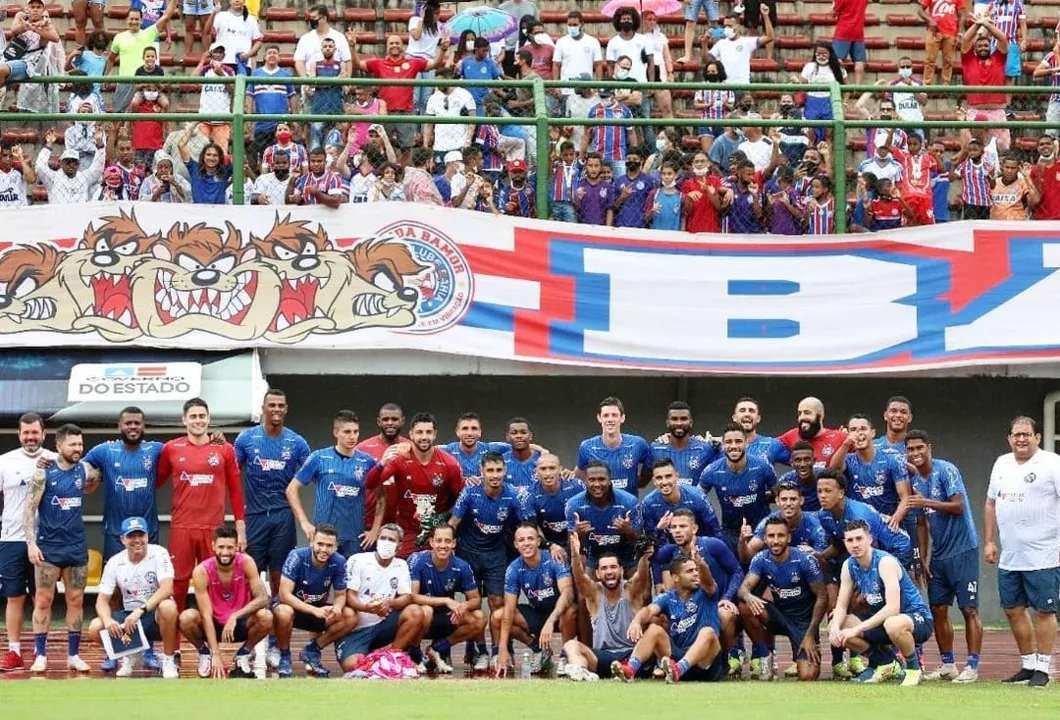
(689, 453)
(379, 589)
(804, 529)
(17, 468)
(811, 429)
(437, 575)
(232, 605)
(803, 474)
(468, 448)
(143, 574)
(310, 576)
(340, 473)
(748, 414)
(201, 471)
(837, 510)
(522, 456)
(55, 532)
(954, 567)
(875, 478)
(549, 594)
(799, 601)
(607, 518)
(390, 420)
(427, 481)
(612, 603)
(1023, 504)
(545, 504)
(692, 629)
(895, 616)
(742, 484)
(658, 506)
(897, 417)
(627, 457)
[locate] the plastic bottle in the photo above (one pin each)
(525, 668)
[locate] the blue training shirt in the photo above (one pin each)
(60, 517)
(539, 584)
(603, 536)
(896, 542)
(810, 503)
(687, 617)
(789, 581)
(128, 479)
(521, 473)
(869, 585)
(690, 461)
(882, 444)
(719, 558)
(471, 463)
(950, 534)
(549, 510)
(876, 482)
(809, 531)
(313, 585)
(340, 488)
(769, 449)
(625, 462)
(741, 495)
(268, 464)
(455, 577)
(654, 506)
(483, 519)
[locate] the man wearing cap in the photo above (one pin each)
(70, 184)
(454, 165)
(143, 574)
(32, 27)
(515, 196)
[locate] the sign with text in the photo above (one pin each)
(134, 382)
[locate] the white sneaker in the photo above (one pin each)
(75, 663)
(439, 662)
(126, 666)
(169, 668)
(272, 658)
(767, 668)
(947, 671)
(422, 667)
(561, 666)
(968, 675)
(482, 662)
(578, 673)
(243, 663)
(40, 664)
(205, 668)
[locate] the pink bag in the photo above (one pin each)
(385, 664)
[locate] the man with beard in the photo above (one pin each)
(811, 429)
(232, 605)
(468, 448)
(804, 529)
(743, 485)
(897, 417)
(748, 414)
(658, 506)
(627, 457)
(390, 420)
(612, 603)
(985, 67)
(803, 474)
(17, 468)
(310, 576)
(606, 517)
(516, 196)
(688, 453)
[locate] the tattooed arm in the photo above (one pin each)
(29, 516)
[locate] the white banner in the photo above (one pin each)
(134, 382)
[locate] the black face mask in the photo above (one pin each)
(747, 107)
(632, 166)
(282, 174)
(713, 78)
(313, 23)
(785, 109)
(625, 26)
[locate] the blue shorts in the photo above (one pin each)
(19, 72)
(923, 627)
(604, 658)
(16, 572)
(151, 630)
(693, 8)
(854, 49)
(347, 548)
(791, 626)
(731, 538)
(714, 673)
(441, 625)
(198, 7)
(1037, 589)
(270, 537)
(363, 640)
(955, 577)
(64, 556)
(112, 544)
(1014, 62)
(489, 569)
(536, 617)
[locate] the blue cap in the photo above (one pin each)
(132, 525)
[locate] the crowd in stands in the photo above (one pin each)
(746, 180)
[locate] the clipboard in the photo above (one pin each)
(120, 647)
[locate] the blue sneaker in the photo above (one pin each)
(865, 676)
(109, 665)
(283, 668)
(152, 661)
(314, 664)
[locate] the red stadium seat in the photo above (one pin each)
(273, 14)
(794, 42)
(904, 20)
(20, 135)
(279, 36)
(789, 20)
(116, 12)
(762, 65)
(909, 43)
(822, 18)
(359, 15)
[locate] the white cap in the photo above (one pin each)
(70, 154)
(454, 156)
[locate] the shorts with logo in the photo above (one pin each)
(488, 569)
(65, 556)
(112, 544)
(271, 537)
(536, 617)
(955, 577)
(923, 627)
(16, 572)
(912, 560)
(792, 626)
(188, 547)
(240, 633)
(150, 625)
(365, 639)
(1037, 589)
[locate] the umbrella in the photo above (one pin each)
(659, 7)
(485, 22)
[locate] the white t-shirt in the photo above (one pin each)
(16, 472)
(361, 186)
(657, 41)
(214, 99)
(371, 581)
(636, 49)
(1027, 503)
(271, 187)
(449, 137)
(735, 56)
(427, 45)
(891, 170)
(235, 33)
(905, 103)
(760, 152)
(13, 191)
(137, 581)
(308, 47)
(816, 74)
(576, 57)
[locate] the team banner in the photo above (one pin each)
(398, 277)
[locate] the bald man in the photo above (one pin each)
(811, 428)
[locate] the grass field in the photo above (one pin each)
(518, 700)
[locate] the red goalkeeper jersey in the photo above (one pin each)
(200, 474)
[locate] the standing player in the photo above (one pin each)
(311, 575)
(608, 519)
(954, 567)
(340, 474)
(811, 429)
(1023, 504)
(17, 468)
(837, 511)
(390, 421)
(55, 533)
(200, 471)
(468, 448)
(747, 414)
(545, 505)
(875, 478)
(895, 616)
(897, 418)
(804, 529)
(549, 594)
(612, 603)
(627, 457)
(658, 506)
(743, 485)
(689, 453)
(803, 474)
(522, 456)
(232, 605)
(799, 601)
(143, 574)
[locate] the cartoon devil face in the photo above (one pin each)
(199, 280)
(377, 290)
(31, 296)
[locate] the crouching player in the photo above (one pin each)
(896, 614)
(799, 601)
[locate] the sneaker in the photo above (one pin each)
(912, 678)
(169, 668)
(12, 662)
(272, 658)
(858, 665)
(314, 665)
(947, 671)
(151, 661)
(673, 673)
(283, 667)
(1020, 678)
(578, 673)
(885, 672)
(735, 668)
(561, 666)
(658, 672)
(422, 668)
(621, 670)
(968, 675)
(842, 671)
(482, 663)
(126, 667)
(75, 663)
(205, 668)
(864, 676)
(439, 662)
(1039, 680)
(791, 671)
(241, 668)
(766, 669)
(108, 665)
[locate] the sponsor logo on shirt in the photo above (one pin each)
(687, 623)
(266, 464)
(1029, 478)
(870, 491)
(787, 593)
(196, 479)
(64, 504)
(487, 529)
(541, 594)
(130, 484)
(603, 540)
(344, 491)
(437, 480)
(738, 501)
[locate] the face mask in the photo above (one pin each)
(660, 144)
(785, 108)
(574, 31)
(469, 46)
(670, 184)
(625, 26)
(622, 74)
(282, 174)
(905, 72)
(632, 166)
(313, 23)
(713, 77)
(822, 62)
(1048, 157)
(388, 183)
(460, 167)
(729, 33)
(150, 95)
(542, 39)
(357, 160)
(386, 549)
(283, 137)
(700, 172)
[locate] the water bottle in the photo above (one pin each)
(525, 668)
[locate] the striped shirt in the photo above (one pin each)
(975, 182)
(565, 179)
(1052, 62)
(609, 140)
(715, 102)
(329, 182)
(820, 217)
(1007, 14)
(522, 197)
(489, 137)
(898, 140)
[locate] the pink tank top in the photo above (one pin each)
(226, 600)
(358, 136)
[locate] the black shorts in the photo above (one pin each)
(150, 625)
(240, 634)
(270, 538)
(309, 623)
(441, 625)
(536, 617)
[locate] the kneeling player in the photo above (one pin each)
(437, 575)
(310, 575)
(799, 601)
(692, 632)
(896, 615)
(232, 606)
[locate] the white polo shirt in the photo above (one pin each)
(16, 472)
(371, 581)
(1027, 502)
(136, 581)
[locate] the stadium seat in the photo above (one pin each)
(116, 12)
(363, 15)
(279, 36)
(95, 567)
(789, 20)
(909, 43)
(904, 20)
(794, 42)
(20, 135)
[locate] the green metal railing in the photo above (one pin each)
(839, 124)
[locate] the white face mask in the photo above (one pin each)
(621, 73)
(386, 549)
(150, 95)
(542, 39)
(729, 33)
(700, 172)
(469, 46)
(670, 184)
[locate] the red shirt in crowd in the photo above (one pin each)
(398, 99)
(944, 12)
(1047, 178)
(148, 134)
(849, 20)
(702, 217)
(826, 443)
(989, 72)
(200, 474)
(376, 446)
(916, 171)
